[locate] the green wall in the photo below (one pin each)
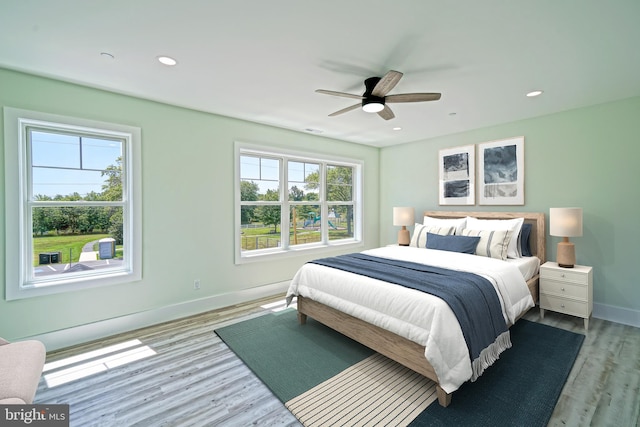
(188, 215)
(588, 157)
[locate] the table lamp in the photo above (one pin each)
(402, 217)
(565, 223)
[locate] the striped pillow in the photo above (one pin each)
(492, 244)
(458, 224)
(419, 238)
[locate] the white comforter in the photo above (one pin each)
(417, 316)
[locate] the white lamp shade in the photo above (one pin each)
(565, 222)
(403, 216)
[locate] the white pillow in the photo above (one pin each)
(419, 238)
(457, 223)
(500, 224)
(492, 244)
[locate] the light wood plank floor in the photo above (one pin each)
(190, 378)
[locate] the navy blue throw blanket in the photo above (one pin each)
(471, 297)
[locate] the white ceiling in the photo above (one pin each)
(262, 60)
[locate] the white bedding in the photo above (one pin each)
(528, 266)
(414, 315)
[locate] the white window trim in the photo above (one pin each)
(325, 245)
(17, 261)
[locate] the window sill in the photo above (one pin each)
(81, 283)
(297, 251)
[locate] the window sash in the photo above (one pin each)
(59, 169)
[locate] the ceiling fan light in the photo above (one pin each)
(373, 107)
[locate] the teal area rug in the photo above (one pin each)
(308, 367)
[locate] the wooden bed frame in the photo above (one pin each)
(395, 347)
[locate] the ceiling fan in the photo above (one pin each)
(375, 98)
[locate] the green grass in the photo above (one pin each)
(63, 244)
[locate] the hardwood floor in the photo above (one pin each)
(180, 374)
(603, 388)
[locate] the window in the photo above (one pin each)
(288, 202)
(72, 216)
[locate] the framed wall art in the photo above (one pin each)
(501, 172)
(457, 176)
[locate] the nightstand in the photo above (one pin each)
(567, 290)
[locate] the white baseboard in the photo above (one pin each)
(84, 333)
(626, 316)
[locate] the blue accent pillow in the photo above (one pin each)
(525, 232)
(462, 244)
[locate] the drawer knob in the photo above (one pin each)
(562, 275)
(562, 305)
(562, 289)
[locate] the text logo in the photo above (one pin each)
(34, 415)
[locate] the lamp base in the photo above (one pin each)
(404, 238)
(566, 254)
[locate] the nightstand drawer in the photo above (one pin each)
(564, 289)
(564, 305)
(565, 275)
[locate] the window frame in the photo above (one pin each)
(18, 205)
(285, 249)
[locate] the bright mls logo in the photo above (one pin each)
(34, 415)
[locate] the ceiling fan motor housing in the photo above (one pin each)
(369, 85)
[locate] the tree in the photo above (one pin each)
(41, 222)
(115, 229)
(248, 192)
(41, 217)
(339, 183)
(269, 215)
(59, 219)
(296, 194)
(112, 187)
(112, 191)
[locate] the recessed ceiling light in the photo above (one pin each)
(397, 128)
(167, 60)
(534, 93)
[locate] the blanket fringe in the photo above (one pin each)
(490, 354)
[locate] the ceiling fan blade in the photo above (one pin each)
(413, 97)
(342, 94)
(386, 113)
(345, 110)
(386, 83)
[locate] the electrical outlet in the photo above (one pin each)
(196, 284)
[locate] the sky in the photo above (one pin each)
(63, 164)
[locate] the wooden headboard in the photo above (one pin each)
(537, 241)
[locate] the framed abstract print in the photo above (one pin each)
(457, 176)
(501, 172)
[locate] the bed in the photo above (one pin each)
(396, 325)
